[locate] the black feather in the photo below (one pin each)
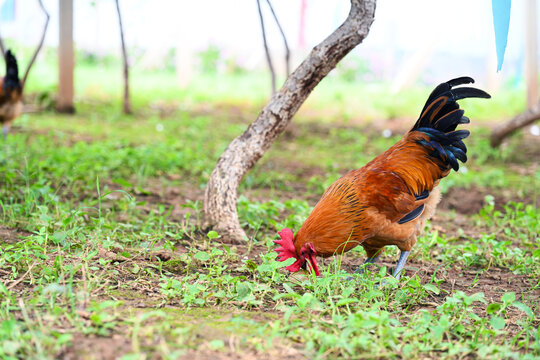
(460, 145)
(445, 122)
(11, 80)
(452, 160)
(457, 135)
(439, 148)
(412, 215)
(468, 92)
(458, 153)
(442, 88)
(460, 81)
(424, 194)
(430, 131)
(440, 117)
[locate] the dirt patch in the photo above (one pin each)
(283, 353)
(462, 200)
(212, 335)
(493, 283)
(11, 235)
(178, 193)
(96, 347)
(472, 199)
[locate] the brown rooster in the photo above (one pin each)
(10, 94)
(388, 201)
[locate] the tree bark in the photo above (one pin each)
(127, 104)
(518, 122)
(266, 49)
(243, 152)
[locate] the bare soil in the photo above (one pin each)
(10, 235)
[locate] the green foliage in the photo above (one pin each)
(102, 238)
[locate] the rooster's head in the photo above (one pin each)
(287, 250)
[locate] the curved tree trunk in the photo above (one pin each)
(243, 152)
(518, 122)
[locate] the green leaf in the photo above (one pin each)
(251, 265)
(202, 256)
(527, 310)
(509, 298)
(59, 237)
(212, 235)
(136, 268)
(346, 302)
(288, 288)
(432, 288)
(122, 182)
(216, 344)
(493, 308)
(497, 322)
(479, 296)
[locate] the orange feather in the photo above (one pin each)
(387, 201)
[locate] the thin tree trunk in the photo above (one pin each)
(127, 104)
(40, 45)
(243, 152)
(2, 48)
(266, 50)
(531, 52)
(285, 43)
(518, 122)
(66, 61)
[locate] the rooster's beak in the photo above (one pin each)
(313, 265)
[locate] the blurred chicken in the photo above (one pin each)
(388, 201)
(10, 95)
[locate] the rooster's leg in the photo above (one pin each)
(369, 260)
(401, 263)
(5, 130)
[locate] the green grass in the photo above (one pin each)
(102, 243)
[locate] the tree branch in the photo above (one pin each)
(518, 122)
(31, 63)
(287, 50)
(243, 152)
(266, 50)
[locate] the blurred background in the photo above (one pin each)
(194, 50)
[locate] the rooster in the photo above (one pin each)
(10, 94)
(388, 201)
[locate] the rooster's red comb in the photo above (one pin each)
(286, 249)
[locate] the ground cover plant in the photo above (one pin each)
(102, 254)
